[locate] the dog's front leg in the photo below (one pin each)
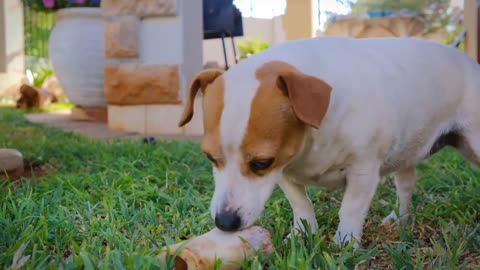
(362, 181)
(301, 205)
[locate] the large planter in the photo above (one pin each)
(75, 49)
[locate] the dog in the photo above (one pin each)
(335, 112)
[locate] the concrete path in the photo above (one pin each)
(95, 130)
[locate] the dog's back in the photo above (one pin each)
(404, 91)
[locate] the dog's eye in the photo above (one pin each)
(260, 164)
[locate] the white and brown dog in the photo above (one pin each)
(333, 111)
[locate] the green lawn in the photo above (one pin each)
(112, 205)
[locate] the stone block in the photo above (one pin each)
(127, 118)
(163, 119)
(121, 37)
(11, 162)
(141, 84)
(147, 8)
(141, 8)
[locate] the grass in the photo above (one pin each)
(114, 204)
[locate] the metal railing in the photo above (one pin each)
(458, 40)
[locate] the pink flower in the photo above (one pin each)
(49, 3)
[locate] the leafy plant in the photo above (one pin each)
(415, 6)
(38, 70)
(438, 15)
(251, 46)
(39, 77)
(59, 4)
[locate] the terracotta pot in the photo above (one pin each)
(76, 51)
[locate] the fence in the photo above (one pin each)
(38, 25)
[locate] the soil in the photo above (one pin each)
(33, 172)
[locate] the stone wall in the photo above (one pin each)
(471, 26)
(11, 44)
(128, 81)
(398, 26)
(153, 49)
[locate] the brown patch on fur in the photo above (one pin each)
(308, 95)
(212, 86)
(201, 81)
(212, 112)
(273, 130)
(286, 102)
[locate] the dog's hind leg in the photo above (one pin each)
(469, 146)
(405, 180)
(301, 205)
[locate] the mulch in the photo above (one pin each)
(31, 172)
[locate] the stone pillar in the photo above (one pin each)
(153, 50)
(12, 63)
(471, 26)
(299, 20)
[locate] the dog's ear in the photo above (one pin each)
(308, 95)
(201, 81)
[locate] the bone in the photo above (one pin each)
(200, 252)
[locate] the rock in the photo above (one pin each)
(31, 97)
(141, 84)
(52, 85)
(141, 8)
(121, 37)
(11, 162)
(156, 8)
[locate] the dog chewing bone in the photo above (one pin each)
(201, 252)
(335, 112)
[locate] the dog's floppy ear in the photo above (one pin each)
(308, 95)
(201, 81)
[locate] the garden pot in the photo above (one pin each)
(75, 49)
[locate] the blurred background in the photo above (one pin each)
(79, 53)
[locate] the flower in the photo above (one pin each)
(48, 3)
(53, 5)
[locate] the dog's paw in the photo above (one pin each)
(394, 218)
(300, 226)
(343, 239)
(391, 218)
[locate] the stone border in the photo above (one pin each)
(139, 8)
(135, 83)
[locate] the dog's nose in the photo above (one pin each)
(228, 221)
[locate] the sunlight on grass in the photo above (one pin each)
(58, 106)
(114, 204)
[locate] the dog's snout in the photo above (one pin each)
(228, 221)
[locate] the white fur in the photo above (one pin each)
(391, 99)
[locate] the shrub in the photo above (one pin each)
(53, 5)
(251, 46)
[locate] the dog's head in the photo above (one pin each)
(253, 127)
